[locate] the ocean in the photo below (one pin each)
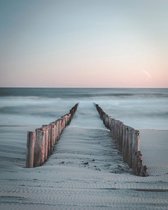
(86, 170)
(140, 108)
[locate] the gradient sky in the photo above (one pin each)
(84, 43)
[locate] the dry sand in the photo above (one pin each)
(154, 146)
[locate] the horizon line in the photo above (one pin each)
(78, 87)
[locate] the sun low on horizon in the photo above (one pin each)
(91, 43)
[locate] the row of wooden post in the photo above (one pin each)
(127, 139)
(40, 143)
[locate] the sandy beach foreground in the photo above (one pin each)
(154, 145)
(86, 171)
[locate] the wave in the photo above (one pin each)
(83, 92)
(29, 111)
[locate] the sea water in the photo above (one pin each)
(139, 108)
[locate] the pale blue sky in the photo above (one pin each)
(89, 43)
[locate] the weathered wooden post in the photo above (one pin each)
(69, 119)
(112, 127)
(63, 123)
(40, 144)
(30, 149)
(39, 147)
(45, 130)
(106, 120)
(43, 147)
(49, 140)
(125, 134)
(139, 162)
(127, 139)
(59, 128)
(135, 143)
(130, 147)
(120, 135)
(52, 136)
(56, 131)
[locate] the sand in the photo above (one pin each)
(86, 171)
(154, 146)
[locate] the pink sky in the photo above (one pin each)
(83, 44)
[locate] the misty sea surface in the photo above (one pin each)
(86, 170)
(140, 108)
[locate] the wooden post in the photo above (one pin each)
(113, 128)
(106, 121)
(48, 139)
(137, 153)
(56, 132)
(139, 163)
(69, 119)
(52, 136)
(120, 135)
(40, 144)
(43, 147)
(45, 130)
(66, 119)
(127, 139)
(30, 149)
(110, 123)
(59, 128)
(130, 147)
(134, 149)
(125, 144)
(39, 148)
(63, 123)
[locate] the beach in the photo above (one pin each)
(86, 170)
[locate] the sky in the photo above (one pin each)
(84, 43)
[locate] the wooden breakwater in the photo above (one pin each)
(127, 139)
(40, 143)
